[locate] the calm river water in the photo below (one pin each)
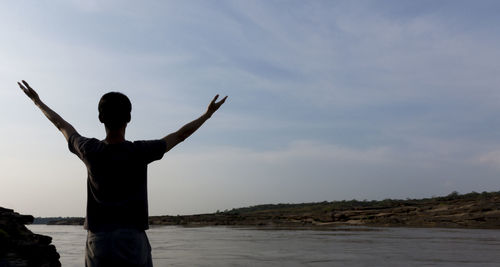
(228, 246)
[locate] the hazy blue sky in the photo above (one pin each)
(328, 100)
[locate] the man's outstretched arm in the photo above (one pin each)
(63, 126)
(176, 137)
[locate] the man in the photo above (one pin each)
(117, 204)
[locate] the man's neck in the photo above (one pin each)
(115, 136)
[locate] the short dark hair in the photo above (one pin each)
(114, 110)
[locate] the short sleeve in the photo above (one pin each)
(76, 144)
(151, 150)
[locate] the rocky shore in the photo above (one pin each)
(473, 210)
(20, 247)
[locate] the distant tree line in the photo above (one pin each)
(45, 220)
(353, 204)
(325, 206)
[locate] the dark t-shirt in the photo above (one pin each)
(117, 181)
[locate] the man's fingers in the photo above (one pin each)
(215, 98)
(22, 87)
(222, 101)
(28, 90)
(215, 105)
(26, 84)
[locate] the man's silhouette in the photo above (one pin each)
(117, 203)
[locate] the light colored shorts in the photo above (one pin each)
(120, 247)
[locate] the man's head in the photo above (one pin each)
(114, 110)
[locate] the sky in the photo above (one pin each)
(328, 100)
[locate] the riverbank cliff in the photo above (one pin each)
(20, 247)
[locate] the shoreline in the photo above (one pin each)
(468, 211)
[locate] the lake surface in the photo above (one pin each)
(230, 246)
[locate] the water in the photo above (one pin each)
(227, 246)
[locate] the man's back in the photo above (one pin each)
(117, 181)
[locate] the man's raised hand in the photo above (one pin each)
(214, 106)
(29, 91)
(63, 126)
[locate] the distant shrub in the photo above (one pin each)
(453, 195)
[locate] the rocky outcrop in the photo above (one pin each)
(456, 213)
(20, 247)
(472, 210)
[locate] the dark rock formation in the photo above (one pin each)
(20, 247)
